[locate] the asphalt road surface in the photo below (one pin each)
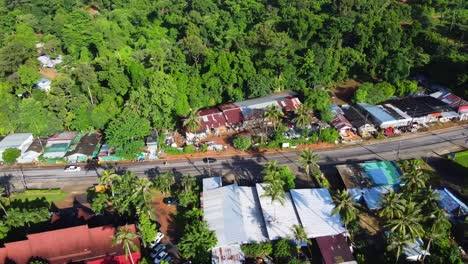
(417, 145)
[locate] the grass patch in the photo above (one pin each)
(50, 195)
(462, 158)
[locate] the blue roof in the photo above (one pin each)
(373, 196)
(382, 172)
(377, 112)
(451, 204)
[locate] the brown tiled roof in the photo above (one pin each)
(79, 243)
(232, 113)
(334, 249)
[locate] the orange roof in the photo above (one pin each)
(79, 243)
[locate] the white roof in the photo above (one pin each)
(28, 157)
(234, 213)
(211, 183)
(16, 140)
(279, 218)
(227, 255)
(314, 207)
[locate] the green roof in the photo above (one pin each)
(60, 147)
(382, 172)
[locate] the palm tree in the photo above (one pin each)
(164, 182)
(188, 182)
(125, 237)
(429, 199)
(303, 117)
(273, 114)
(409, 223)
(414, 180)
(398, 242)
(192, 121)
(142, 195)
(308, 159)
(439, 227)
(409, 165)
(393, 205)
(345, 206)
(275, 190)
(300, 236)
(108, 178)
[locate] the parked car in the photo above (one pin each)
(158, 249)
(156, 240)
(72, 168)
(168, 259)
(170, 201)
(209, 160)
(160, 257)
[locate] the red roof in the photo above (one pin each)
(334, 249)
(211, 118)
(290, 103)
(340, 122)
(232, 113)
(121, 259)
(65, 245)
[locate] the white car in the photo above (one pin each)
(158, 249)
(72, 168)
(156, 241)
(160, 257)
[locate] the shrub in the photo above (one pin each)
(329, 135)
(10, 155)
(242, 142)
(189, 149)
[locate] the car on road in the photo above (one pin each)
(156, 240)
(170, 201)
(158, 258)
(209, 160)
(158, 249)
(72, 168)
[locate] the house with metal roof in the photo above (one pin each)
(315, 210)
(342, 125)
(233, 212)
(335, 249)
(33, 152)
(58, 145)
(370, 180)
(86, 149)
(451, 204)
(279, 217)
(20, 141)
(362, 123)
(421, 109)
(384, 116)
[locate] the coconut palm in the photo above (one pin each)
(273, 114)
(397, 242)
(142, 195)
(125, 237)
(299, 235)
(188, 181)
(308, 159)
(414, 180)
(345, 206)
(108, 178)
(439, 227)
(164, 182)
(410, 165)
(192, 121)
(303, 117)
(274, 189)
(429, 199)
(409, 223)
(393, 205)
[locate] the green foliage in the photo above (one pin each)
(257, 250)
(147, 229)
(164, 182)
(329, 135)
(127, 134)
(444, 251)
(242, 142)
(196, 242)
(282, 248)
(10, 155)
(374, 93)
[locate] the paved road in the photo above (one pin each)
(413, 146)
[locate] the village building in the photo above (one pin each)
(342, 125)
(86, 149)
(385, 117)
(58, 145)
(34, 151)
(455, 102)
(364, 126)
(44, 84)
(20, 141)
(47, 62)
(257, 219)
(423, 109)
(335, 249)
(454, 207)
(368, 181)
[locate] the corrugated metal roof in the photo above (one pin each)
(15, 140)
(335, 249)
(234, 213)
(451, 204)
(211, 183)
(227, 255)
(314, 207)
(279, 218)
(377, 112)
